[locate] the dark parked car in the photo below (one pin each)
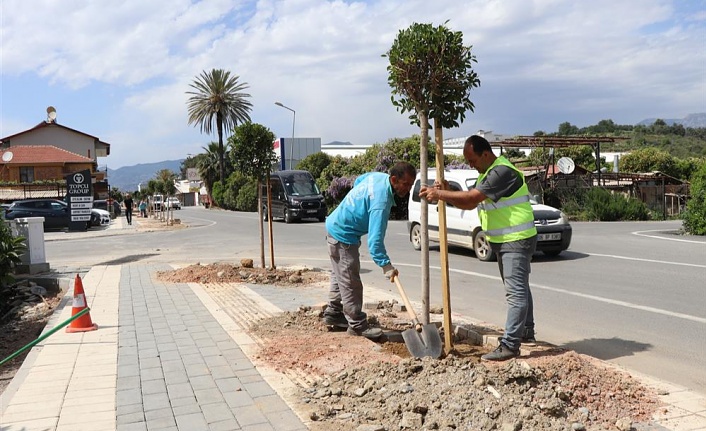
(2, 210)
(54, 211)
(295, 196)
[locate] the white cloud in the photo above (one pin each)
(540, 62)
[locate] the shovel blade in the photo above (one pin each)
(424, 343)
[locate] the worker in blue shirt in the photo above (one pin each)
(364, 210)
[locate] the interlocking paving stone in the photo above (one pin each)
(193, 421)
(180, 390)
(228, 425)
(139, 426)
(217, 412)
(179, 369)
(155, 401)
(130, 418)
(156, 386)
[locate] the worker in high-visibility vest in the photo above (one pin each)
(505, 212)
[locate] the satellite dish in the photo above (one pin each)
(7, 156)
(566, 165)
(51, 113)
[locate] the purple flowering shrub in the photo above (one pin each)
(339, 188)
(455, 163)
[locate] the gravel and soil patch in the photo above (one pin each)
(356, 384)
(25, 309)
(351, 383)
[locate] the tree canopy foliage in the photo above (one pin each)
(431, 74)
(695, 215)
(251, 151)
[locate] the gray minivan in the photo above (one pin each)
(295, 196)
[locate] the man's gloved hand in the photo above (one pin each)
(390, 272)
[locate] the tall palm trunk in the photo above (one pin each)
(221, 156)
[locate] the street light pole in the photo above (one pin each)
(294, 119)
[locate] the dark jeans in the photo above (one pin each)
(128, 216)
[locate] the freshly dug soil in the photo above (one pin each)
(351, 383)
(355, 384)
(244, 272)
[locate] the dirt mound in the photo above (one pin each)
(222, 272)
(355, 384)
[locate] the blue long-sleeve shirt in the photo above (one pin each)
(365, 210)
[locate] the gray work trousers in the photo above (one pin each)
(346, 290)
(515, 270)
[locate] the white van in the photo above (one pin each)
(463, 226)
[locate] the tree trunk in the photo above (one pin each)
(424, 217)
(269, 221)
(443, 243)
(221, 157)
(259, 224)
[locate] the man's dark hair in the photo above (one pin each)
(401, 169)
(479, 144)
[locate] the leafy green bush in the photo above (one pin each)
(11, 248)
(235, 182)
(315, 163)
(694, 218)
(602, 205)
(217, 193)
(247, 197)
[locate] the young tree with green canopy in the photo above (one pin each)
(252, 154)
(431, 77)
(218, 97)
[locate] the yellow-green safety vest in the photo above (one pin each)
(511, 218)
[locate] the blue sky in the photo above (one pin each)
(120, 70)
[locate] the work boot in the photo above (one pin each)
(369, 333)
(528, 337)
(338, 320)
(501, 353)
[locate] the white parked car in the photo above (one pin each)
(173, 203)
(100, 217)
(463, 226)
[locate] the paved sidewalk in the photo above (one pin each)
(158, 361)
(176, 357)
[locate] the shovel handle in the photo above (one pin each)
(407, 304)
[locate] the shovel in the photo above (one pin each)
(422, 340)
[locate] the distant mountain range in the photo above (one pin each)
(691, 120)
(127, 178)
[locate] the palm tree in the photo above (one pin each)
(208, 166)
(218, 96)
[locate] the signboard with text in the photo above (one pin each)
(79, 196)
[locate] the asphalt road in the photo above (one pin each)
(633, 294)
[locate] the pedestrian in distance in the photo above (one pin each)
(365, 210)
(506, 216)
(143, 208)
(128, 208)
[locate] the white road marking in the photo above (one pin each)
(665, 262)
(623, 304)
(563, 291)
(594, 298)
(644, 233)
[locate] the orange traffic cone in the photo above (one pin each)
(83, 323)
